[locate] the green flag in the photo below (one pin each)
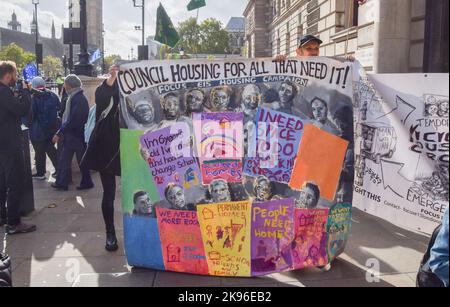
(165, 31)
(196, 4)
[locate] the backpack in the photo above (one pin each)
(426, 278)
(5, 271)
(90, 124)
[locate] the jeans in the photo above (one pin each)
(109, 196)
(42, 150)
(69, 146)
(11, 183)
(439, 258)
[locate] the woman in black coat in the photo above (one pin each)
(103, 152)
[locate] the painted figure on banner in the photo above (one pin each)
(143, 113)
(251, 100)
(287, 93)
(263, 189)
(175, 195)
(220, 191)
(309, 197)
(319, 109)
(171, 106)
(195, 101)
(143, 206)
(271, 100)
(220, 98)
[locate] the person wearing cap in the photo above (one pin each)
(44, 124)
(71, 136)
(309, 46)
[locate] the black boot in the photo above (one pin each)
(111, 242)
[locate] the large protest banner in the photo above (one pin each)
(402, 148)
(208, 151)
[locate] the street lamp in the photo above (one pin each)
(143, 49)
(83, 67)
(103, 51)
(34, 26)
(64, 60)
(142, 5)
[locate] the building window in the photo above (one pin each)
(288, 39)
(278, 43)
(351, 13)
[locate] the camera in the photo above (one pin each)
(19, 85)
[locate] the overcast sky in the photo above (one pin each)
(120, 17)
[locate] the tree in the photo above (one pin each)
(18, 55)
(109, 60)
(214, 38)
(189, 36)
(52, 66)
(208, 37)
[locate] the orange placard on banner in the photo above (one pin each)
(319, 161)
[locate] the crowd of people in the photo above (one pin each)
(57, 125)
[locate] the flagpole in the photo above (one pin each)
(196, 24)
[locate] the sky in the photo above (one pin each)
(120, 17)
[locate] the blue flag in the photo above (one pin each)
(30, 72)
(97, 54)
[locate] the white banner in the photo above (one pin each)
(402, 148)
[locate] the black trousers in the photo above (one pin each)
(109, 196)
(11, 185)
(42, 150)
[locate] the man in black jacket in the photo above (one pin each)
(13, 105)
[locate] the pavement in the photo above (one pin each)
(68, 251)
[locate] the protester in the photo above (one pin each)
(14, 104)
(71, 136)
(439, 258)
(60, 84)
(309, 46)
(64, 98)
(103, 150)
(45, 106)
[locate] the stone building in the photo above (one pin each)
(236, 28)
(386, 36)
(94, 11)
(51, 46)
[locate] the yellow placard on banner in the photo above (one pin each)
(226, 229)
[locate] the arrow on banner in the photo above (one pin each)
(390, 171)
(402, 107)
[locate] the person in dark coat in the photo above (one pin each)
(103, 153)
(71, 136)
(13, 106)
(44, 124)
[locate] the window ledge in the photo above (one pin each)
(343, 34)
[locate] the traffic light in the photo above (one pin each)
(39, 53)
